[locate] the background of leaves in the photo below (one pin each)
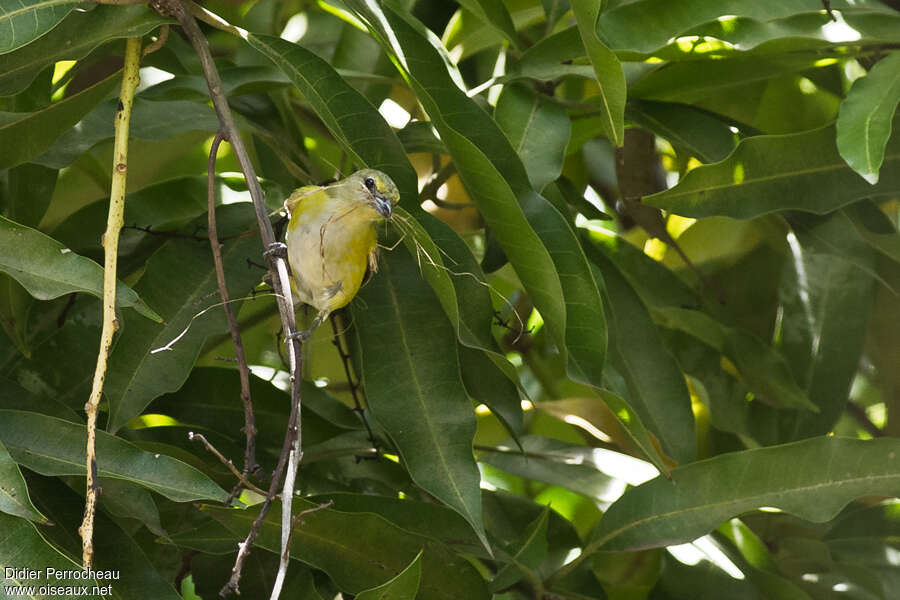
(763, 130)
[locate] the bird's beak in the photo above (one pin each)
(383, 206)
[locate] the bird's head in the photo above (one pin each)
(377, 190)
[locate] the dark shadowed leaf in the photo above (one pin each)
(47, 269)
(360, 551)
(413, 384)
(181, 281)
(26, 135)
(74, 38)
(14, 498)
(404, 586)
(52, 446)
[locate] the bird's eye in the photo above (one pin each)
(370, 183)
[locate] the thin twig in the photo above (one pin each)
(351, 382)
(115, 220)
(859, 415)
(160, 41)
(243, 369)
(274, 253)
(242, 477)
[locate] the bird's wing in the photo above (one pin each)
(299, 194)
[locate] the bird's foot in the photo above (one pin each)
(278, 249)
(300, 335)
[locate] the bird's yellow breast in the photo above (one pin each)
(329, 242)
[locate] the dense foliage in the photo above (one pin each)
(645, 272)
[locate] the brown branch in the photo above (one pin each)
(244, 370)
(859, 415)
(353, 385)
(242, 477)
(274, 253)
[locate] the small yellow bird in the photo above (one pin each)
(331, 238)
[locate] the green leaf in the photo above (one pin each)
(348, 115)
(114, 548)
(802, 171)
(26, 20)
(762, 368)
(426, 519)
(30, 188)
(815, 478)
(825, 327)
(526, 554)
(552, 57)
(49, 270)
(413, 384)
(51, 446)
(494, 14)
(404, 586)
(76, 37)
(608, 70)
(652, 383)
(150, 120)
(864, 123)
(23, 547)
(698, 132)
(358, 550)
(180, 281)
(14, 499)
(648, 25)
(538, 129)
(551, 461)
(26, 135)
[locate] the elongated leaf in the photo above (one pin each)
(763, 369)
(26, 135)
(607, 68)
(541, 246)
(74, 38)
(114, 549)
(538, 129)
(815, 478)
(359, 550)
(150, 121)
(414, 387)
(698, 132)
(14, 498)
(49, 270)
(648, 25)
(346, 113)
(526, 555)
(653, 385)
(404, 586)
(552, 57)
(825, 327)
(552, 462)
(24, 21)
(802, 171)
(494, 14)
(51, 446)
(427, 519)
(864, 124)
(180, 280)
(23, 547)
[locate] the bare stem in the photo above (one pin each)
(274, 254)
(197, 437)
(244, 370)
(114, 222)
